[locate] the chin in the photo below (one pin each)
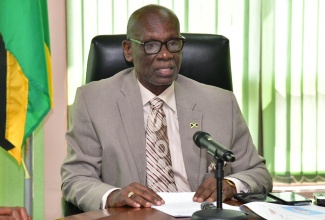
(166, 84)
(162, 81)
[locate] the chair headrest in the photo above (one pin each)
(206, 58)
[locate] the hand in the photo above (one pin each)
(142, 197)
(207, 191)
(14, 213)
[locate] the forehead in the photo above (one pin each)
(156, 25)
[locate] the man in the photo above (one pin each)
(14, 213)
(109, 161)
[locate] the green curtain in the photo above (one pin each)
(292, 77)
(276, 57)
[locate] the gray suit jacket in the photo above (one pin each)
(106, 143)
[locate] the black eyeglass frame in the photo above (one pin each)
(182, 38)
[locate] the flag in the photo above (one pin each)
(25, 71)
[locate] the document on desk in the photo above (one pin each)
(181, 204)
(273, 211)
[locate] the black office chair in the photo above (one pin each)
(69, 209)
(206, 58)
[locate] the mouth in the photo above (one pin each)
(164, 71)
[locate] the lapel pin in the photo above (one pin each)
(194, 125)
(213, 166)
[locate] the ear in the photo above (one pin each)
(127, 50)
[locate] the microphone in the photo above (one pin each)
(204, 140)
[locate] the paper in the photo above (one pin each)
(273, 211)
(181, 204)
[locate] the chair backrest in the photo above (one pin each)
(69, 209)
(206, 58)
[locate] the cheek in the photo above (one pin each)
(178, 60)
(143, 62)
(142, 66)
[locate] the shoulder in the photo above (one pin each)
(115, 80)
(197, 89)
(107, 86)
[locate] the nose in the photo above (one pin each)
(164, 52)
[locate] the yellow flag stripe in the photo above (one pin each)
(17, 103)
(49, 73)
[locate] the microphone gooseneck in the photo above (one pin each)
(220, 154)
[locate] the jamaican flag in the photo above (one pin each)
(25, 71)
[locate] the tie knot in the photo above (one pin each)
(156, 103)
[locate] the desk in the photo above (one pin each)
(134, 214)
(144, 213)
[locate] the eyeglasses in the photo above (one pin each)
(154, 46)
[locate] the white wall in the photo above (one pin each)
(55, 124)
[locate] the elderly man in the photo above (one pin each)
(129, 137)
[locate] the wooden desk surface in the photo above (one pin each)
(144, 213)
(134, 214)
(129, 213)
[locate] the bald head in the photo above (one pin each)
(150, 27)
(149, 14)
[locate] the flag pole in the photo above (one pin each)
(29, 180)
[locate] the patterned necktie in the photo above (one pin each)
(160, 176)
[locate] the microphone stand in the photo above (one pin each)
(218, 213)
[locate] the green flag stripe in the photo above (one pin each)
(45, 19)
(24, 27)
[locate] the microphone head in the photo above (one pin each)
(198, 135)
(204, 140)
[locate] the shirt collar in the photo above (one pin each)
(168, 96)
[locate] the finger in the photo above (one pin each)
(198, 193)
(140, 196)
(6, 217)
(15, 214)
(148, 196)
(140, 200)
(201, 189)
(131, 202)
(118, 199)
(212, 197)
(228, 191)
(5, 211)
(227, 194)
(206, 190)
(23, 213)
(124, 198)
(144, 195)
(209, 194)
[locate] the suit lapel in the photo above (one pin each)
(189, 122)
(133, 120)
